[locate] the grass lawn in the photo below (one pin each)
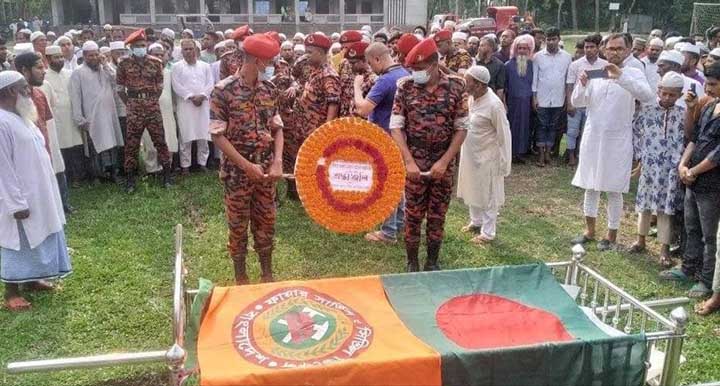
(119, 297)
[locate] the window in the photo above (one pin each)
(350, 7)
(366, 7)
(262, 7)
(322, 7)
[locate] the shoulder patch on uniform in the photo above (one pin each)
(223, 83)
(404, 80)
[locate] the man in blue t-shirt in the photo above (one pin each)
(377, 106)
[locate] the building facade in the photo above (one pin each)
(281, 15)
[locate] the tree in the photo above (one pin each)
(559, 12)
(573, 9)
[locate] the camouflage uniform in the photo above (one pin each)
(230, 62)
(321, 89)
(347, 96)
(285, 108)
(429, 120)
(243, 114)
(301, 71)
(369, 78)
(460, 59)
(143, 80)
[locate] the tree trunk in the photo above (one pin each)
(560, 4)
(597, 16)
(573, 9)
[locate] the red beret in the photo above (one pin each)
(350, 37)
(443, 34)
(241, 33)
(421, 52)
(261, 46)
(356, 50)
(407, 42)
(318, 40)
(274, 35)
(135, 36)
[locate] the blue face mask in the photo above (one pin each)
(267, 74)
(140, 52)
(420, 77)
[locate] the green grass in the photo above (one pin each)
(119, 297)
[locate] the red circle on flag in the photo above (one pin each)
(484, 321)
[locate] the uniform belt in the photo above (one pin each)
(140, 95)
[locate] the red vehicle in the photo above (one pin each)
(479, 26)
(505, 17)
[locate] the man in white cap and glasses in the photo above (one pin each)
(485, 156)
(691, 52)
(92, 94)
(671, 60)
(57, 87)
(652, 53)
(68, 52)
(659, 143)
(32, 240)
(606, 150)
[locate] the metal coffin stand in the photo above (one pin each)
(664, 336)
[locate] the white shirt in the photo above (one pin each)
(27, 181)
(631, 61)
(189, 80)
(577, 67)
(699, 91)
(71, 64)
(651, 73)
(606, 151)
(69, 135)
(549, 74)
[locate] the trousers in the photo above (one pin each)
(144, 115)
(614, 207)
(426, 199)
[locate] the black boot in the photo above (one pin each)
(413, 265)
(167, 177)
(433, 253)
(241, 277)
(266, 268)
(292, 193)
(130, 182)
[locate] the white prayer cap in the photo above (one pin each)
(287, 44)
(656, 42)
(703, 48)
(672, 56)
(419, 36)
(229, 32)
(117, 45)
(335, 35)
(74, 32)
(104, 50)
(480, 73)
(336, 46)
(366, 39)
(473, 39)
(156, 45)
(188, 31)
(90, 46)
(299, 35)
(715, 52)
(299, 48)
(62, 39)
(691, 48)
(167, 32)
(53, 50)
(282, 37)
(434, 28)
(26, 31)
(198, 45)
(459, 36)
(36, 35)
(670, 42)
(366, 28)
(449, 24)
(9, 78)
(220, 35)
(22, 48)
(672, 79)
(226, 41)
(51, 34)
(219, 45)
(107, 27)
(68, 35)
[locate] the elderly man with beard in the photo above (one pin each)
(32, 241)
(57, 85)
(606, 151)
(93, 98)
(518, 94)
(652, 53)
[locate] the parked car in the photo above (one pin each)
(479, 26)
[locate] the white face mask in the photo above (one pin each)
(267, 74)
(420, 77)
(139, 52)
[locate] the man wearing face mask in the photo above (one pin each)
(192, 82)
(32, 240)
(245, 125)
(319, 101)
(428, 122)
(142, 77)
(456, 60)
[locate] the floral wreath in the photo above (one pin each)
(350, 175)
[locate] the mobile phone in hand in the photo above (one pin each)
(692, 89)
(597, 74)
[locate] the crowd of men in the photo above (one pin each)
(84, 107)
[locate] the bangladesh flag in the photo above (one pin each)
(495, 326)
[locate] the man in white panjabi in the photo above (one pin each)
(57, 88)
(606, 151)
(149, 152)
(485, 156)
(192, 81)
(92, 95)
(32, 241)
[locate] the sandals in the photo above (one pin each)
(379, 237)
(699, 290)
(481, 240)
(637, 249)
(675, 274)
(470, 228)
(582, 239)
(667, 262)
(606, 245)
(17, 304)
